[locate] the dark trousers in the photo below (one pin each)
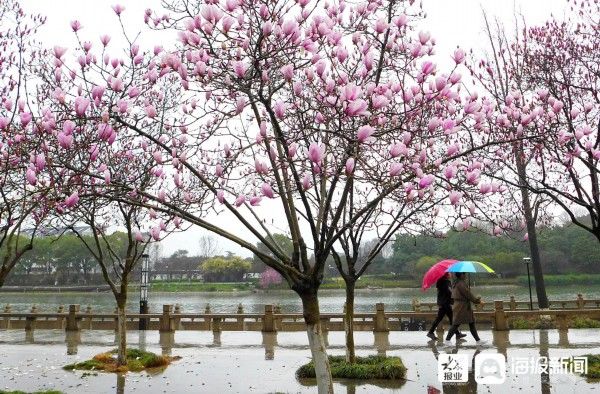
(443, 310)
(454, 329)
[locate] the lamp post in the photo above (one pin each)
(144, 282)
(527, 261)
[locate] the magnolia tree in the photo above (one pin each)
(547, 99)
(300, 118)
(25, 194)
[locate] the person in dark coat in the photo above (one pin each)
(444, 302)
(462, 309)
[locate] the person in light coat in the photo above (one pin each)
(462, 309)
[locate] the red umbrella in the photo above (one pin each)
(436, 272)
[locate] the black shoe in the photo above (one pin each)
(460, 335)
(431, 335)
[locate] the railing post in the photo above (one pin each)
(416, 305)
(380, 321)
(207, 311)
(60, 320)
(268, 320)
(30, 320)
(562, 322)
(88, 312)
(500, 323)
(166, 320)
(72, 320)
(177, 320)
(277, 320)
(512, 303)
(7, 309)
(241, 321)
(580, 301)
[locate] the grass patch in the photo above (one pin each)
(530, 324)
(137, 361)
(34, 392)
(371, 367)
(201, 286)
(564, 280)
(584, 322)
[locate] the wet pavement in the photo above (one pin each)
(254, 362)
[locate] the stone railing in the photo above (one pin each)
(576, 303)
(271, 320)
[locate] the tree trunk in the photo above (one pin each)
(349, 321)
(310, 308)
(536, 263)
(122, 330)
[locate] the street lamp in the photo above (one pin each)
(527, 261)
(144, 282)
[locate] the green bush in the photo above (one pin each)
(584, 322)
(221, 269)
(137, 360)
(530, 324)
(371, 367)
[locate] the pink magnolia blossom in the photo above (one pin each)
(315, 153)
(72, 200)
(396, 169)
(364, 132)
(350, 166)
(426, 181)
(267, 191)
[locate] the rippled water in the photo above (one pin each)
(330, 300)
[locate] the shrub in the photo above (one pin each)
(137, 360)
(371, 367)
(220, 269)
(584, 322)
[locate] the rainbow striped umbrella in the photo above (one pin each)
(471, 267)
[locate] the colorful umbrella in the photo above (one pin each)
(470, 266)
(436, 272)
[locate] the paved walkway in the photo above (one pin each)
(263, 363)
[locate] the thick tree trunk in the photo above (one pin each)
(349, 322)
(310, 308)
(536, 263)
(122, 330)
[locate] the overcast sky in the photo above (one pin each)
(451, 22)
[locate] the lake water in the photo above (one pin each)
(331, 301)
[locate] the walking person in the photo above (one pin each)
(444, 302)
(462, 309)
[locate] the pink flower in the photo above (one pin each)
(31, 176)
(427, 68)
(150, 111)
(459, 56)
(97, 92)
(116, 84)
(364, 132)
(138, 236)
(450, 172)
(211, 13)
(81, 106)
(357, 108)
(424, 36)
(267, 191)
(155, 233)
(118, 9)
(105, 39)
(255, 200)
(240, 200)
(25, 118)
(239, 68)
(292, 149)
(306, 184)
(279, 108)
(396, 169)
(4, 121)
(381, 25)
(350, 166)
(287, 71)
(65, 140)
(221, 196)
(133, 92)
(289, 27)
(426, 181)
(59, 51)
(219, 170)
(72, 200)
(315, 153)
(75, 25)
(455, 197)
